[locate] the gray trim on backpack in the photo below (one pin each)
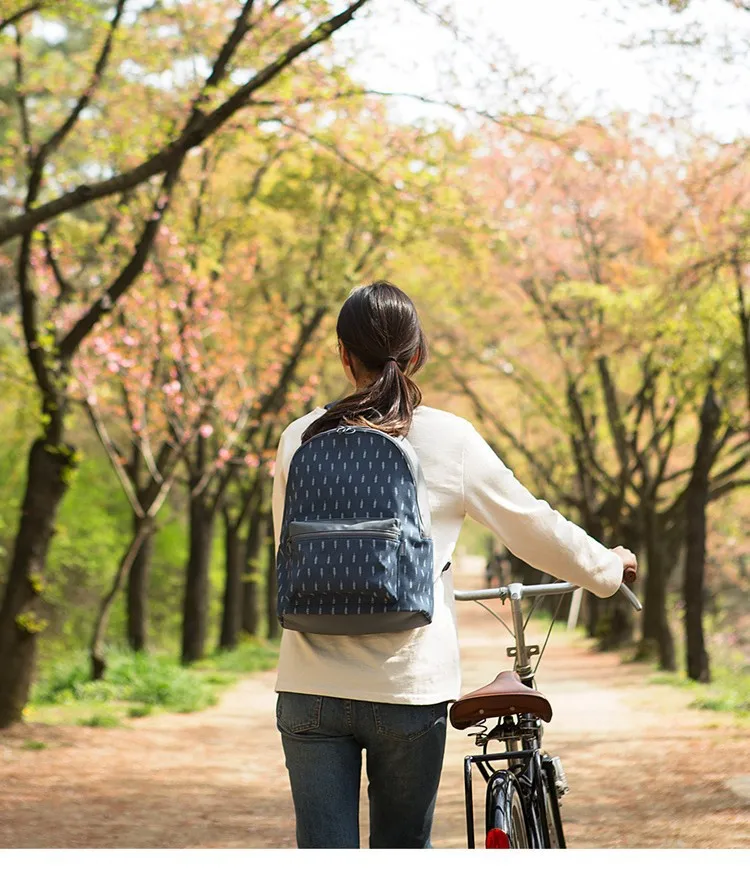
(308, 527)
(364, 623)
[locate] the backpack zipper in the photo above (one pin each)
(311, 536)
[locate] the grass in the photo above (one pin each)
(246, 658)
(140, 712)
(729, 691)
(137, 685)
(101, 720)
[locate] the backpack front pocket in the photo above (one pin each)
(344, 566)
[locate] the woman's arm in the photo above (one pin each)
(529, 527)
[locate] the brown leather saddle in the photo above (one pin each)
(505, 695)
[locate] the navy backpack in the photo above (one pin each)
(355, 553)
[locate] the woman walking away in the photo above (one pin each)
(368, 501)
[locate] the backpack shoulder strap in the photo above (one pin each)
(423, 497)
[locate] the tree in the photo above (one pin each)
(596, 243)
(267, 41)
(174, 373)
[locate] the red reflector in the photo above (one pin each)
(496, 839)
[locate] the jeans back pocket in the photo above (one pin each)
(297, 713)
(407, 721)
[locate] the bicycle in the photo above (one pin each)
(522, 806)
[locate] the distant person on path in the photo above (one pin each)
(387, 692)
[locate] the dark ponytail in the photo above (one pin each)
(379, 327)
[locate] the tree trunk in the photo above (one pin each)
(250, 607)
(591, 607)
(231, 619)
(49, 467)
(137, 592)
(273, 629)
(695, 541)
(253, 556)
(143, 530)
(196, 600)
(615, 623)
(616, 617)
(657, 637)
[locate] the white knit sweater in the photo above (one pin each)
(464, 476)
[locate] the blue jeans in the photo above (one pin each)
(323, 739)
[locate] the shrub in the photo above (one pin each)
(100, 720)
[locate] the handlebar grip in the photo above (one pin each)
(630, 595)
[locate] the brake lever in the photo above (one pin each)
(629, 594)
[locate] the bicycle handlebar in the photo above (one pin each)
(630, 595)
(519, 591)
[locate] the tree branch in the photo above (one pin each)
(270, 401)
(110, 448)
(175, 152)
(614, 415)
(542, 474)
(56, 139)
(70, 343)
(66, 289)
(727, 487)
(22, 107)
(18, 16)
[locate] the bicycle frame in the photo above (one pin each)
(522, 733)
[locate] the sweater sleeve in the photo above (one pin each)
(529, 527)
(279, 490)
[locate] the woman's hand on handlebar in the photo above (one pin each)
(629, 564)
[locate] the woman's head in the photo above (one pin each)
(381, 344)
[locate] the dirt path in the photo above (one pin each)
(644, 770)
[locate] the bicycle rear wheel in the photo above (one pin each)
(506, 825)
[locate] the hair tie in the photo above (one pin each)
(391, 359)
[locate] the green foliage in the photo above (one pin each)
(730, 701)
(101, 720)
(138, 685)
(150, 680)
(729, 691)
(33, 745)
(31, 622)
(140, 712)
(91, 533)
(247, 657)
